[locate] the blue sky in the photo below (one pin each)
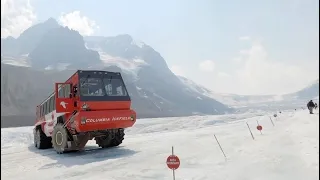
(243, 47)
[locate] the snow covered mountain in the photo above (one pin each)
(307, 93)
(229, 99)
(54, 56)
(234, 100)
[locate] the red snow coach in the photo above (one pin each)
(90, 104)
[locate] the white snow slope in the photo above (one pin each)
(287, 151)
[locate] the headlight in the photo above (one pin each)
(85, 106)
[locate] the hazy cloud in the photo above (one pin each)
(244, 38)
(261, 75)
(78, 22)
(206, 66)
(223, 74)
(16, 16)
(177, 70)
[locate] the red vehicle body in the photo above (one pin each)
(89, 105)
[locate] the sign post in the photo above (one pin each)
(220, 147)
(250, 130)
(173, 163)
(271, 121)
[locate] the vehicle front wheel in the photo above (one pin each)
(59, 138)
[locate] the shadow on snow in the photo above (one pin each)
(89, 155)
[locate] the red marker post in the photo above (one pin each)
(173, 163)
(259, 127)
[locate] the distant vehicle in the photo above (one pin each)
(89, 105)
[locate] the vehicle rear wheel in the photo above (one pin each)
(59, 138)
(119, 137)
(111, 140)
(40, 139)
(104, 141)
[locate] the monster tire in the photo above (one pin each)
(119, 137)
(59, 138)
(104, 141)
(41, 141)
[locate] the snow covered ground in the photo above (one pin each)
(289, 150)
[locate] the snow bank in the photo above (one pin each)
(290, 150)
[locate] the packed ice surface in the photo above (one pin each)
(287, 151)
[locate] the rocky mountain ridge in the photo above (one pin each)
(53, 53)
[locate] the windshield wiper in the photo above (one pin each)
(86, 79)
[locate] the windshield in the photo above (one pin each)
(91, 87)
(102, 86)
(114, 87)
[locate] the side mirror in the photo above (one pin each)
(75, 89)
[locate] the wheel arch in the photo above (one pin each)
(61, 119)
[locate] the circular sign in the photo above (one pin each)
(173, 162)
(259, 127)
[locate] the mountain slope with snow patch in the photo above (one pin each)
(154, 89)
(229, 99)
(234, 100)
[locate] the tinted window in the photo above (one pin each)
(91, 87)
(61, 92)
(102, 86)
(54, 102)
(114, 87)
(45, 108)
(42, 107)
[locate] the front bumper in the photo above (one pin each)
(86, 121)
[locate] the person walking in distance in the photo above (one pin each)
(310, 106)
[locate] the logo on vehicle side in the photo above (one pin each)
(94, 120)
(91, 120)
(121, 118)
(63, 104)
